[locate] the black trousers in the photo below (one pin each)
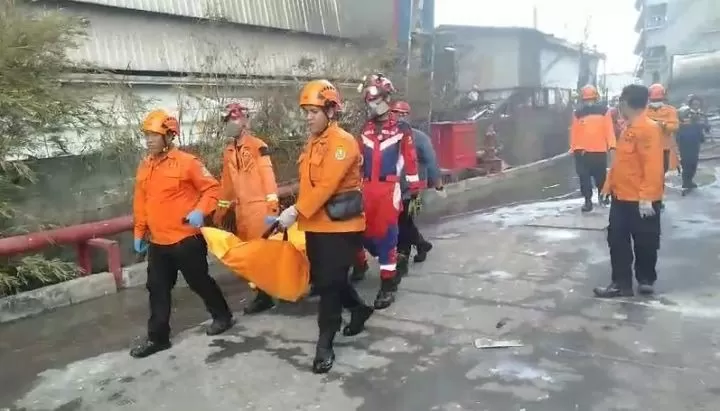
(331, 255)
(666, 160)
(189, 256)
(408, 233)
(689, 157)
(589, 167)
(633, 238)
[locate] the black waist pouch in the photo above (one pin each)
(344, 206)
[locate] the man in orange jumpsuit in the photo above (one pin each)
(635, 183)
(592, 136)
(247, 184)
(173, 194)
(667, 118)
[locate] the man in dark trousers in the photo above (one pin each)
(409, 235)
(635, 183)
(592, 136)
(690, 136)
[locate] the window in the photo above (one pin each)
(657, 52)
(656, 16)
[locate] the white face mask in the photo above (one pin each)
(377, 108)
(232, 129)
(656, 104)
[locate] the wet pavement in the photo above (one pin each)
(522, 274)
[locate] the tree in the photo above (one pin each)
(35, 113)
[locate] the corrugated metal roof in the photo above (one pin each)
(312, 16)
(165, 44)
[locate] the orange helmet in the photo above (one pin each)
(160, 122)
(657, 92)
(589, 92)
(320, 93)
(400, 106)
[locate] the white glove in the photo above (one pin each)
(288, 217)
(646, 209)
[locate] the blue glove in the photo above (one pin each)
(195, 218)
(270, 220)
(140, 245)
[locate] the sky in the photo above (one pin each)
(612, 22)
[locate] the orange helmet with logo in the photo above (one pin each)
(589, 92)
(320, 93)
(656, 92)
(160, 122)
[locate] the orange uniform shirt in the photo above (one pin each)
(592, 130)
(167, 189)
(636, 173)
(329, 165)
(667, 117)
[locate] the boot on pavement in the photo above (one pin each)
(422, 251)
(324, 353)
(386, 296)
(262, 302)
(147, 347)
(219, 326)
(588, 206)
(613, 291)
(358, 317)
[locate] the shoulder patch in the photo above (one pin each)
(340, 153)
(264, 151)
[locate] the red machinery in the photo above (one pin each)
(455, 144)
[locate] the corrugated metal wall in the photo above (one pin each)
(159, 43)
(343, 18)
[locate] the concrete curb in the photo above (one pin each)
(81, 289)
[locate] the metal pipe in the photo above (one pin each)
(67, 235)
(79, 234)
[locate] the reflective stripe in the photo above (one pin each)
(271, 197)
(388, 267)
(224, 203)
(412, 178)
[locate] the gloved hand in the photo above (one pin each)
(288, 217)
(195, 218)
(140, 245)
(270, 220)
(646, 209)
(272, 207)
(415, 206)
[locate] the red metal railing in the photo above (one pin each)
(85, 237)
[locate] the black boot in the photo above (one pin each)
(422, 251)
(262, 302)
(359, 270)
(324, 353)
(358, 316)
(588, 206)
(646, 289)
(219, 326)
(612, 291)
(147, 348)
(403, 265)
(386, 296)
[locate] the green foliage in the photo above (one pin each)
(33, 57)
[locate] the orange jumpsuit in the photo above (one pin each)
(248, 182)
(667, 117)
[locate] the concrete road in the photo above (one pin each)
(521, 273)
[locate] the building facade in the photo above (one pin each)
(673, 27)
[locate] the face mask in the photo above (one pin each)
(656, 104)
(232, 129)
(377, 108)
